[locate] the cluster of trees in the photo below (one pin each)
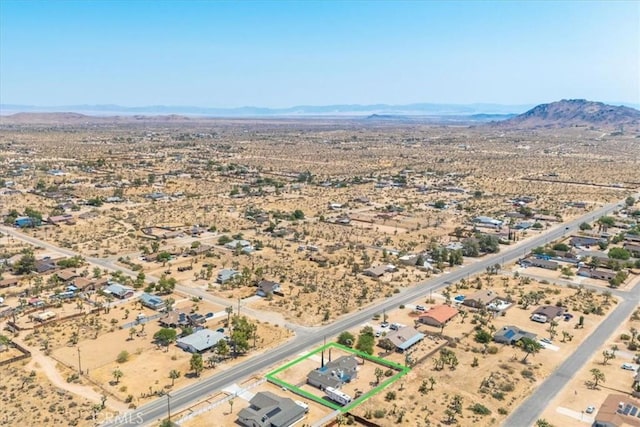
(532, 297)
(446, 357)
(242, 331)
(164, 286)
(366, 340)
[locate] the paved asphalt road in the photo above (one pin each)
(182, 398)
(529, 411)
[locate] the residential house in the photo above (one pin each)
(266, 287)
(59, 219)
(634, 248)
(585, 242)
(200, 340)
(44, 265)
(438, 315)
(202, 249)
(540, 263)
(84, 284)
(487, 221)
(174, 319)
(480, 299)
(595, 273)
(635, 238)
(9, 282)
(377, 271)
(67, 274)
(618, 410)
(548, 218)
(511, 335)
(118, 291)
(179, 318)
(334, 373)
(547, 313)
(244, 245)
(267, 409)
(226, 274)
(151, 301)
(25, 221)
(404, 338)
(410, 259)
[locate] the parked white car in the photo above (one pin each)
(628, 367)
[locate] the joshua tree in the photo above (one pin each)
(174, 375)
(598, 377)
(607, 355)
(379, 373)
(529, 346)
(117, 374)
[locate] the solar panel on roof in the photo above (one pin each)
(627, 409)
(633, 411)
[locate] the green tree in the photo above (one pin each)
(165, 336)
(366, 340)
(196, 363)
(585, 226)
(482, 336)
(222, 348)
(598, 377)
(529, 346)
(117, 374)
(346, 338)
(26, 264)
(619, 253)
(174, 375)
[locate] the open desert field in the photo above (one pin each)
(311, 221)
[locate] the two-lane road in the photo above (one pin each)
(191, 394)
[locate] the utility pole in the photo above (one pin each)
(169, 408)
(238, 306)
(79, 365)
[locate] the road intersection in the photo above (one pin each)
(305, 337)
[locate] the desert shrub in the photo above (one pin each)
(390, 396)
(388, 373)
(502, 411)
(507, 387)
(625, 337)
(498, 395)
(492, 349)
(123, 356)
(379, 413)
(527, 373)
(480, 409)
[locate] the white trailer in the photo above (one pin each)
(337, 396)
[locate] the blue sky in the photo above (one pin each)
(279, 54)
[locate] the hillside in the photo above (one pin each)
(575, 113)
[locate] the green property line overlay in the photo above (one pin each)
(402, 371)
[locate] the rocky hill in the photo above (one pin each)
(575, 113)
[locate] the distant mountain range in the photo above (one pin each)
(423, 109)
(564, 113)
(573, 113)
